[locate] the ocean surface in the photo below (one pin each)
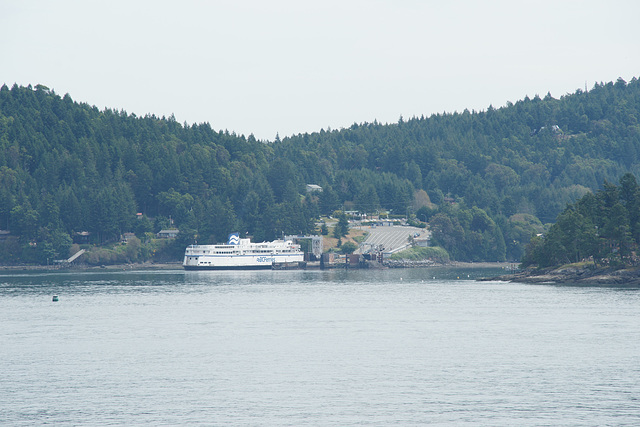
(318, 348)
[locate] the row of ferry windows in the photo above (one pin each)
(246, 252)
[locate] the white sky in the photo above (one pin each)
(290, 67)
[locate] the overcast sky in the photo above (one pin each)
(287, 67)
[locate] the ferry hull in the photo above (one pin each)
(228, 267)
(274, 266)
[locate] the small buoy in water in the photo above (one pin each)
(401, 279)
(55, 298)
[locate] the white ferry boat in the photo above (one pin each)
(241, 254)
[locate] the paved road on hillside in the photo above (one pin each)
(390, 238)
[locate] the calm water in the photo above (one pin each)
(393, 347)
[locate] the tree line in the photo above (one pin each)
(491, 178)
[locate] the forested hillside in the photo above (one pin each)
(493, 177)
(67, 167)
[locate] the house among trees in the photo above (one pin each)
(313, 188)
(170, 233)
(126, 236)
(449, 200)
(81, 237)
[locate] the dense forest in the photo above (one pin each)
(603, 227)
(485, 181)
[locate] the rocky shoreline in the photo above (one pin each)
(588, 276)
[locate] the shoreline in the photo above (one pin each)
(178, 266)
(585, 276)
(82, 267)
(483, 264)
